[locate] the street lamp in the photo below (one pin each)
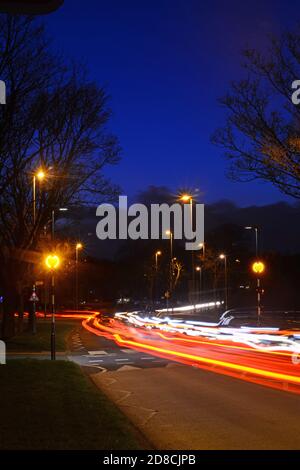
(40, 175)
(188, 198)
(224, 257)
(157, 254)
(199, 270)
(170, 234)
(257, 265)
(78, 247)
(258, 268)
(202, 247)
(52, 262)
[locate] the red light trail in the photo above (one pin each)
(263, 357)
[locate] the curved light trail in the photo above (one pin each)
(260, 355)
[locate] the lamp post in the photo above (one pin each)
(258, 267)
(52, 263)
(202, 247)
(199, 270)
(224, 257)
(188, 198)
(258, 279)
(157, 254)
(40, 175)
(169, 232)
(78, 247)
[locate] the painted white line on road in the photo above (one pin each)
(97, 353)
(96, 360)
(129, 351)
(121, 360)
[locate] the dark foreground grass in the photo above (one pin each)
(52, 405)
(41, 340)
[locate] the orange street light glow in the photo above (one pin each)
(258, 267)
(79, 246)
(186, 198)
(52, 261)
(40, 175)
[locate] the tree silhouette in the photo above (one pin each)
(261, 134)
(55, 119)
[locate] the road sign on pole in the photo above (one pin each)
(33, 297)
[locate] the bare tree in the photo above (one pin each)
(261, 135)
(177, 268)
(55, 119)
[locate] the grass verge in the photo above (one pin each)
(52, 405)
(26, 341)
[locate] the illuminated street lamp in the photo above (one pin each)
(170, 234)
(40, 175)
(223, 257)
(52, 262)
(188, 198)
(202, 247)
(199, 270)
(258, 268)
(157, 254)
(78, 247)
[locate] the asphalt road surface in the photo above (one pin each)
(95, 351)
(183, 407)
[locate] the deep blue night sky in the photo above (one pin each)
(165, 63)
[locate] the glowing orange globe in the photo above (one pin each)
(52, 261)
(258, 267)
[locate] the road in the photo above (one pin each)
(183, 407)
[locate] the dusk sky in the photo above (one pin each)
(165, 63)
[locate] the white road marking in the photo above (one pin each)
(124, 368)
(97, 353)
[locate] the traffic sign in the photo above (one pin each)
(34, 297)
